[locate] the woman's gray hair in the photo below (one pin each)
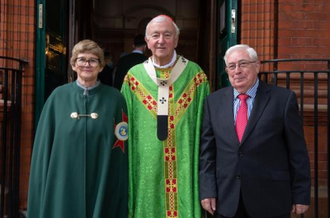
(252, 53)
(162, 18)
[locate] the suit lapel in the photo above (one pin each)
(260, 103)
(227, 104)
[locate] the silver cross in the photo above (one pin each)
(162, 100)
(163, 83)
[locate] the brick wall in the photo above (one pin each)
(304, 29)
(17, 37)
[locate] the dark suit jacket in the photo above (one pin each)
(105, 76)
(124, 64)
(271, 165)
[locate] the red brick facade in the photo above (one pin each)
(17, 39)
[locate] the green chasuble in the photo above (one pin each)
(79, 167)
(163, 175)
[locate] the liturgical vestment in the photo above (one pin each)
(163, 175)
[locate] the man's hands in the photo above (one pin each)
(209, 204)
(299, 208)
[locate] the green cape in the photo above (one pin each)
(76, 170)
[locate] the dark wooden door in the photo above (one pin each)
(227, 36)
(51, 51)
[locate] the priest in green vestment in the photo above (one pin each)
(165, 97)
(80, 158)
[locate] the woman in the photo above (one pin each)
(79, 160)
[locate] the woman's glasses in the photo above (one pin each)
(93, 62)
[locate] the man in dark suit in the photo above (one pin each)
(126, 62)
(265, 172)
(105, 76)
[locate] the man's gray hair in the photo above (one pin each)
(162, 18)
(252, 53)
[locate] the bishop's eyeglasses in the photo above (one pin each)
(240, 64)
(93, 62)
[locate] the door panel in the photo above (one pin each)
(227, 36)
(51, 55)
(56, 43)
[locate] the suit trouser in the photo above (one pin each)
(242, 213)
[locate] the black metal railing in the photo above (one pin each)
(312, 86)
(11, 70)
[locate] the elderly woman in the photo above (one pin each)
(79, 160)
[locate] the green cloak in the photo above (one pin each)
(78, 169)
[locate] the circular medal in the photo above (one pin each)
(121, 131)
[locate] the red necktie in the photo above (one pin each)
(241, 118)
